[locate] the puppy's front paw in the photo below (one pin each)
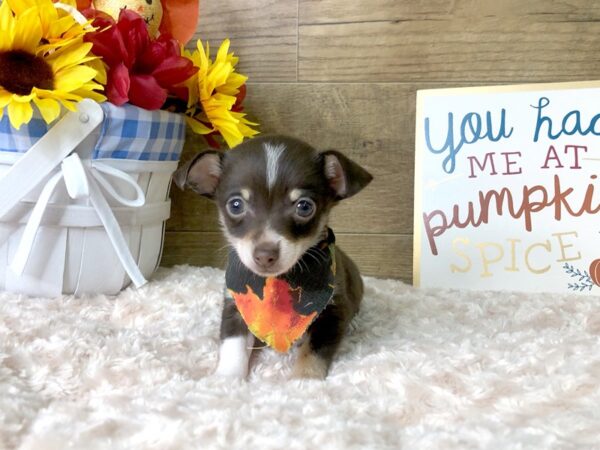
(230, 371)
(233, 358)
(311, 372)
(309, 364)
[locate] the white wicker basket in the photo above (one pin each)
(82, 210)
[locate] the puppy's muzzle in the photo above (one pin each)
(266, 255)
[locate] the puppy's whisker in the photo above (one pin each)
(317, 255)
(226, 246)
(324, 254)
(306, 265)
(308, 253)
(293, 269)
(299, 266)
(254, 347)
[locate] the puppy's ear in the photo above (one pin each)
(345, 177)
(201, 173)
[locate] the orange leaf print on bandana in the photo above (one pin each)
(273, 319)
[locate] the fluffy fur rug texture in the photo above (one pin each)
(420, 369)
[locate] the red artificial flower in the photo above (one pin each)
(141, 70)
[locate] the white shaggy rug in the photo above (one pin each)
(422, 369)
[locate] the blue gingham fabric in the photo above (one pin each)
(127, 132)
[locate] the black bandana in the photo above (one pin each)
(278, 310)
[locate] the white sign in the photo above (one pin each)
(507, 195)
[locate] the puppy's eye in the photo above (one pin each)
(236, 207)
(305, 208)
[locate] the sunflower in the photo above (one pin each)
(44, 61)
(215, 94)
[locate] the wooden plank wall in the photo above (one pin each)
(343, 74)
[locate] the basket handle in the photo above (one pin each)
(47, 153)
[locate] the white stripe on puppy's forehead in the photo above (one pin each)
(272, 154)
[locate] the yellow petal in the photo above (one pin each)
(68, 99)
(6, 24)
(58, 95)
(228, 130)
(219, 75)
(223, 49)
(48, 15)
(23, 98)
(73, 77)
(197, 126)
(72, 3)
(242, 118)
(233, 84)
(75, 30)
(5, 97)
(247, 131)
(192, 98)
(59, 27)
(55, 44)
(73, 54)
(28, 31)
(70, 105)
(225, 100)
(194, 57)
(19, 113)
(232, 139)
(87, 93)
(20, 6)
(92, 86)
(226, 123)
(98, 66)
(49, 108)
(202, 56)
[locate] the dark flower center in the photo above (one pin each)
(20, 72)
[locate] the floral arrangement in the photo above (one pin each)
(53, 55)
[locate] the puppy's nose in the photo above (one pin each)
(265, 255)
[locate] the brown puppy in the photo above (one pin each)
(274, 195)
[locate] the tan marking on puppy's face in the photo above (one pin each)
(246, 194)
(295, 194)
